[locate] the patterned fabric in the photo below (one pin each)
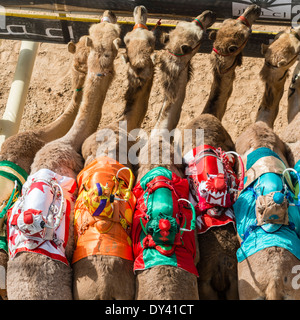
(257, 236)
(12, 177)
(213, 186)
(162, 231)
(39, 220)
(102, 221)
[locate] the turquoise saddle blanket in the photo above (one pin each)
(255, 238)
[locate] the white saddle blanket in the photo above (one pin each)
(31, 221)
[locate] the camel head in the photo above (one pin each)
(108, 16)
(283, 52)
(185, 39)
(140, 45)
(140, 15)
(79, 66)
(231, 38)
(103, 41)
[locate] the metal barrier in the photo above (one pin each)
(280, 10)
(60, 29)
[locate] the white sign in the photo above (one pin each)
(278, 9)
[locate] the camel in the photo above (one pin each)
(265, 270)
(21, 148)
(165, 280)
(114, 278)
(182, 44)
(170, 282)
(140, 58)
(43, 277)
(217, 266)
(293, 95)
(279, 58)
(289, 136)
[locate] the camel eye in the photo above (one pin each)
(232, 48)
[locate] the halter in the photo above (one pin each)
(232, 53)
(245, 22)
(140, 25)
(184, 54)
(105, 19)
(291, 61)
(198, 23)
(268, 64)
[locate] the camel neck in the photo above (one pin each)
(137, 99)
(220, 91)
(90, 111)
(170, 112)
(274, 80)
(64, 122)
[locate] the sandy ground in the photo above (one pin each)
(49, 90)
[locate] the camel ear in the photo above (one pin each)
(125, 58)
(186, 49)
(71, 47)
(263, 49)
(298, 48)
(212, 35)
(153, 57)
(117, 43)
(126, 40)
(164, 38)
(88, 42)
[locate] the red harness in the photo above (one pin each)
(213, 185)
(246, 22)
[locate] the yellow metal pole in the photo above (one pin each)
(10, 122)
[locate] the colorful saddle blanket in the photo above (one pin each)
(12, 178)
(163, 222)
(39, 220)
(256, 236)
(213, 186)
(104, 210)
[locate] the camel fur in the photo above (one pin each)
(182, 44)
(43, 277)
(267, 274)
(217, 267)
(112, 276)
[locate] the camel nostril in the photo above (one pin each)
(139, 70)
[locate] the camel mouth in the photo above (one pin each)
(208, 18)
(253, 11)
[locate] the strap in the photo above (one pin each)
(9, 203)
(252, 227)
(245, 21)
(140, 25)
(159, 182)
(199, 23)
(18, 169)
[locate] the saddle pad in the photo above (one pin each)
(38, 200)
(257, 238)
(183, 255)
(101, 235)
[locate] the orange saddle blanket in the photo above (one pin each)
(103, 210)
